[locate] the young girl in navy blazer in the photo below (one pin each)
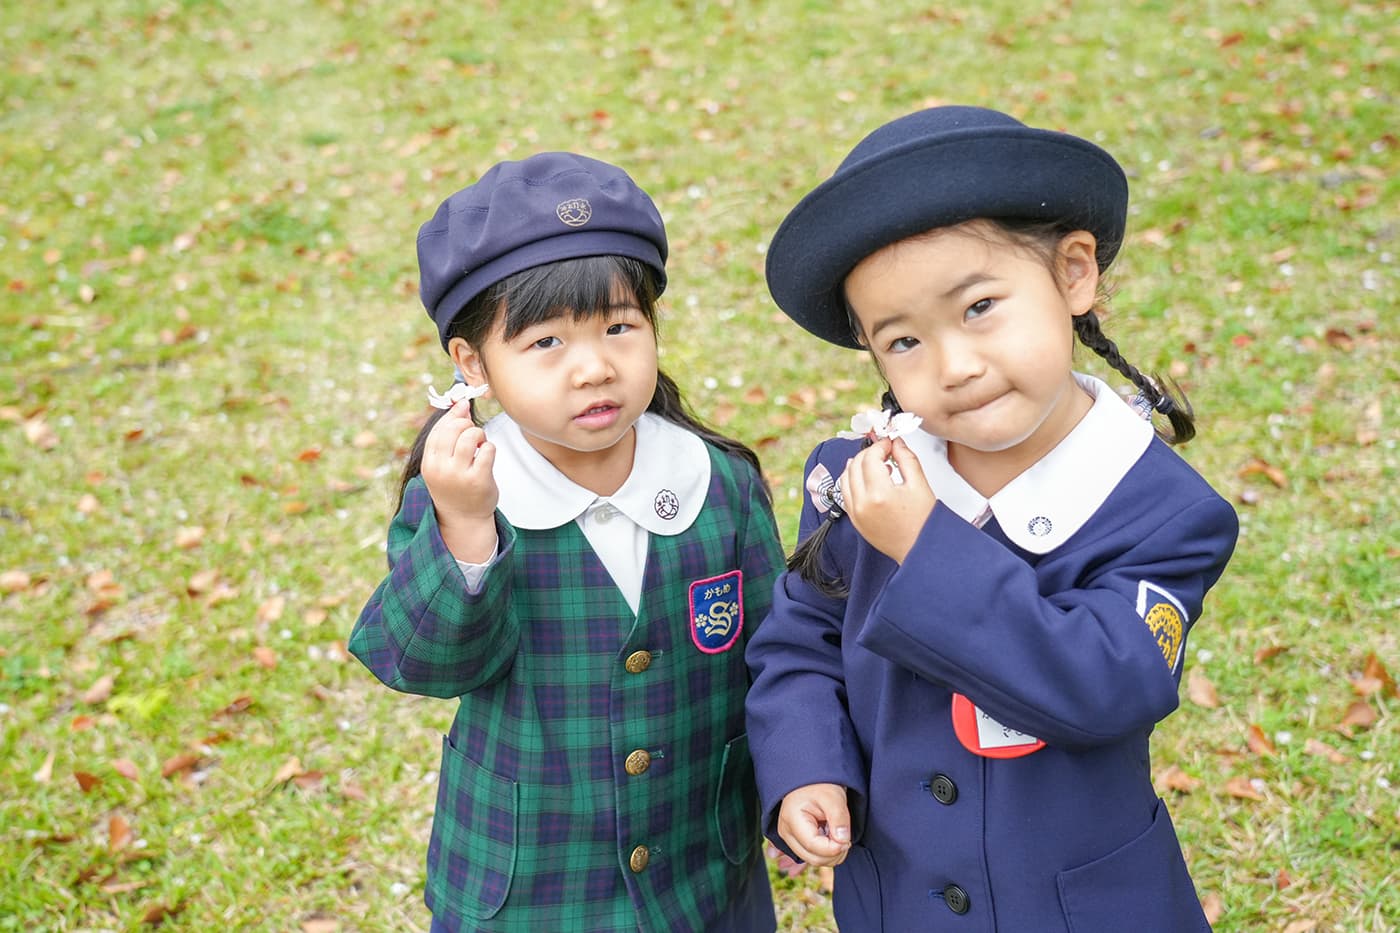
(990, 606)
(582, 573)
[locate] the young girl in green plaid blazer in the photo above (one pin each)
(582, 572)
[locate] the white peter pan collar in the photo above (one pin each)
(664, 492)
(1043, 507)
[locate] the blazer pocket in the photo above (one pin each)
(856, 902)
(1146, 879)
(471, 856)
(736, 803)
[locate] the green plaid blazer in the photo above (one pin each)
(543, 822)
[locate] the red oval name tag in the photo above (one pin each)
(983, 735)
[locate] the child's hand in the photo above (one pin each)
(886, 514)
(457, 462)
(814, 821)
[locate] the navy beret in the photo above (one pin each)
(936, 168)
(549, 207)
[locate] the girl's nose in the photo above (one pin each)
(592, 367)
(959, 362)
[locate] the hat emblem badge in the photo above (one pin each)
(575, 212)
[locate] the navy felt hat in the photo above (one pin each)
(551, 206)
(936, 168)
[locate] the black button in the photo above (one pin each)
(956, 899)
(943, 788)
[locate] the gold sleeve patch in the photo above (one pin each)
(1165, 623)
(1165, 618)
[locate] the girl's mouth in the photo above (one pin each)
(598, 416)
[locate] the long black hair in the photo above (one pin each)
(584, 287)
(1162, 395)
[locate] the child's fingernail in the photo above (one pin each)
(842, 834)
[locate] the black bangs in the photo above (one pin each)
(587, 287)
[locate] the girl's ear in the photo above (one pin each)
(1078, 269)
(468, 361)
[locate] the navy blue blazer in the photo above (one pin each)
(1080, 646)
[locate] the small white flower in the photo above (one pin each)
(881, 424)
(459, 391)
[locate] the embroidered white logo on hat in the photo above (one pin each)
(575, 212)
(667, 505)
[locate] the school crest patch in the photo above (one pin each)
(717, 612)
(1165, 618)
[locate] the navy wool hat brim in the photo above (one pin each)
(574, 244)
(547, 208)
(930, 169)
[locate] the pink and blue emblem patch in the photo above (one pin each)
(717, 612)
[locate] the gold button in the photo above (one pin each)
(639, 859)
(637, 762)
(638, 661)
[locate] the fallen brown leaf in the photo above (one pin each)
(1174, 778)
(1360, 715)
(1242, 788)
(45, 772)
(100, 691)
(1271, 472)
(1200, 690)
(290, 769)
(320, 925)
(1213, 907)
(124, 887)
(202, 582)
(156, 914)
(271, 609)
(239, 705)
(309, 779)
(1374, 669)
(265, 656)
(187, 538)
(86, 781)
(1258, 742)
(1268, 653)
(118, 833)
(12, 581)
(182, 761)
(1316, 747)
(126, 768)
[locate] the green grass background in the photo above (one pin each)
(213, 359)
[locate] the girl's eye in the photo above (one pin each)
(978, 309)
(544, 343)
(902, 344)
(619, 327)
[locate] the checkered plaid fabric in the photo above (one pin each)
(538, 824)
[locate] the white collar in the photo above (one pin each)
(1044, 506)
(664, 492)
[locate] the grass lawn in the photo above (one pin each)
(214, 359)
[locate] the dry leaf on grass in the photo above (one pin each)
(1200, 690)
(1258, 742)
(1322, 749)
(1242, 788)
(100, 691)
(118, 833)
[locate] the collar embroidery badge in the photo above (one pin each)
(667, 504)
(717, 612)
